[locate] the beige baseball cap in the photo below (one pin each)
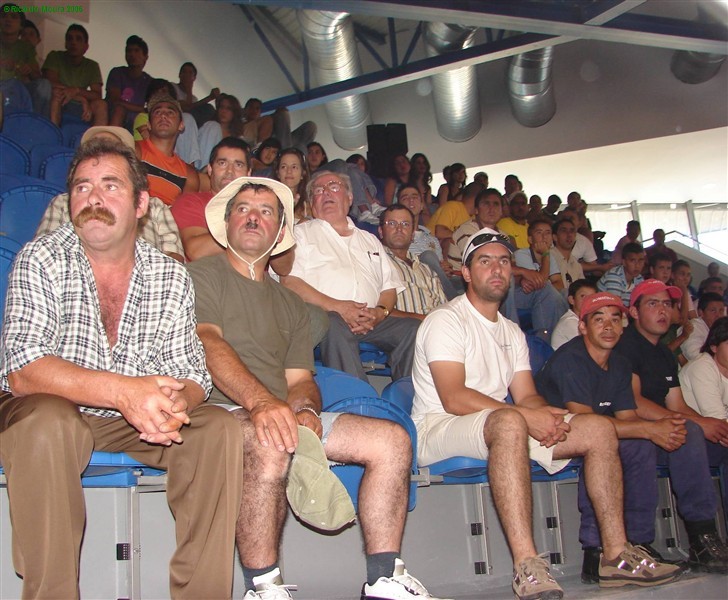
(315, 493)
(124, 136)
(215, 210)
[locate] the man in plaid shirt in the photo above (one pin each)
(99, 351)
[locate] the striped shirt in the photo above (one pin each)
(615, 282)
(422, 288)
(52, 309)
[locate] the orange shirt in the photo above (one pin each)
(166, 175)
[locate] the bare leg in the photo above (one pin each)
(385, 450)
(263, 508)
(100, 110)
(118, 114)
(594, 438)
(506, 436)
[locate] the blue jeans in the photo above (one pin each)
(689, 475)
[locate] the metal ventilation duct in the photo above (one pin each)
(699, 67)
(455, 92)
(530, 89)
(329, 39)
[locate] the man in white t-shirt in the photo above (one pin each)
(467, 359)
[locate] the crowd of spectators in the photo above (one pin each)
(443, 283)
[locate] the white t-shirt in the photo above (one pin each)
(583, 249)
(566, 329)
(457, 332)
(704, 387)
(353, 267)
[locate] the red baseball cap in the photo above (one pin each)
(654, 286)
(594, 302)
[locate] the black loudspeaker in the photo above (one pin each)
(385, 142)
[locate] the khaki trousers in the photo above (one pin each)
(45, 444)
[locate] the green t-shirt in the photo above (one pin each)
(266, 324)
(14, 55)
(81, 76)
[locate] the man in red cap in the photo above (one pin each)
(658, 395)
(584, 376)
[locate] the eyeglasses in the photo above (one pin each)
(402, 224)
(332, 186)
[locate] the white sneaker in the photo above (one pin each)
(400, 586)
(270, 586)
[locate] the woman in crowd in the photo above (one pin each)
(315, 156)
(704, 380)
(399, 174)
(228, 122)
(264, 157)
(290, 168)
(421, 176)
(454, 186)
(359, 161)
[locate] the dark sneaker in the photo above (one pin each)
(657, 557)
(590, 566)
(634, 566)
(532, 580)
(708, 553)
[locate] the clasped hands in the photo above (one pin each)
(155, 406)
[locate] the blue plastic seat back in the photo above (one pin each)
(54, 168)
(30, 129)
(337, 385)
(372, 406)
(400, 393)
(14, 159)
(8, 249)
(539, 351)
(8, 182)
(73, 131)
(22, 208)
(40, 152)
(371, 356)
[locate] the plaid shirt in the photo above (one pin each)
(52, 309)
(158, 228)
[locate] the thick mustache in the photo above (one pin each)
(251, 225)
(99, 213)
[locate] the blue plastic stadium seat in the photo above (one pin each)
(30, 129)
(113, 469)
(337, 385)
(22, 208)
(8, 249)
(374, 360)
(539, 351)
(54, 169)
(73, 131)
(14, 159)
(9, 182)
(40, 152)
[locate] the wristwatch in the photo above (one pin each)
(384, 308)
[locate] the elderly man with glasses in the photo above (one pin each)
(346, 271)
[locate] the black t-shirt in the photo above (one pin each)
(654, 364)
(571, 375)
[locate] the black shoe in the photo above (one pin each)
(709, 554)
(659, 558)
(590, 566)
